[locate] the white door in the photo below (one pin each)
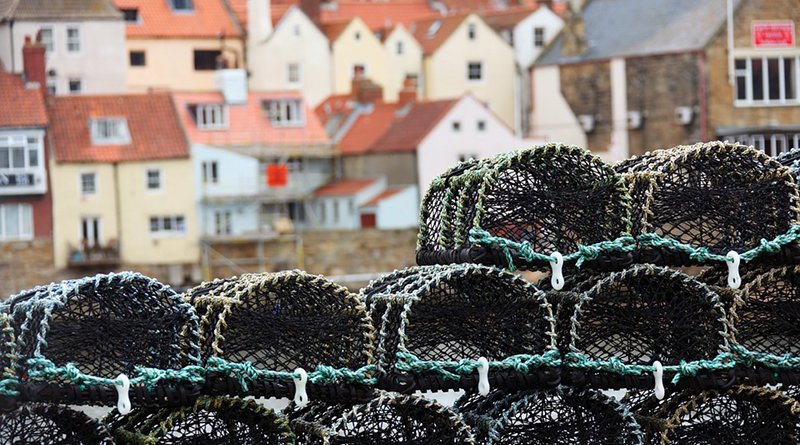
(90, 231)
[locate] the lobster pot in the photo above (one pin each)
(710, 196)
(105, 325)
(740, 415)
(461, 312)
(281, 321)
(550, 198)
(790, 159)
(561, 415)
(210, 420)
(627, 320)
(38, 424)
(387, 419)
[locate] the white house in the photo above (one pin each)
(84, 42)
(295, 55)
(394, 208)
(404, 57)
(337, 203)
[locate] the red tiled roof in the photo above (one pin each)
(248, 123)
(156, 19)
(368, 128)
(388, 193)
(508, 18)
(378, 14)
(344, 187)
(479, 6)
(333, 30)
(277, 9)
(337, 103)
(20, 106)
(152, 123)
(407, 133)
(431, 42)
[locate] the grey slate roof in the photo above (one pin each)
(621, 28)
(59, 10)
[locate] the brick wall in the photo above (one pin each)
(587, 89)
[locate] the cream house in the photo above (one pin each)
(122, 186)
(462, 54)
(355, 49)
(404, 58)
(294, 55)
(178, 44)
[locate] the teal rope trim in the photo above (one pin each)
(702, 254)
(524, 250)
(247, 372)
(749, 358)
(453, 370)
(43, 369)
(723, 361)
(6, 387)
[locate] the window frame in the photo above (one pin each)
(123, 136)
(23, 210)
(216, 110)
(207, 52)
(137, 52)
(82, 183)
(49, 46)
(480, 72)
(472, 31)
(177, 226)
(188, 10)
(746, 75)
(74, 40)
(79, 82)
(220, 217)
(160, 178)
(273, 106)
(209, 169)
(297, 71)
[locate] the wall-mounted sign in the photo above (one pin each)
(277, 175)
(17, 180)
(773, 34)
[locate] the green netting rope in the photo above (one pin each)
(7, 387)
(247, 372)
(525, 251)
(723, 361)
(453, 370)
(785, 361)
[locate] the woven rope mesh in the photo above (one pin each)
(646, 313)
(8, 348)
(107, 324)
(557, 416)
(387, 419)
(462, 312)
(740, 415)
(711, 195)
(284, 320)
(211, 420)
(38, 424)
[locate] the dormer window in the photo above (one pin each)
(181, 5)
(110, 131)
(131, 15)
(284, 112)
(210, 116)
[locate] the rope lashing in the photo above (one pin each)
(723, 361)
(453, 370)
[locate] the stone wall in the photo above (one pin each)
(587, 89)
(25, 264)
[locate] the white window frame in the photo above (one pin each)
(99, 126)
(539, 37)
(188, 10)
(298, 72)
(207, 170)
(161, 223)
(95, 183)
(49, 44)
(399, 48)
(21, 141)
(204, 112)
(80, 85)
(76, 40)
(469, 71)
(747, 74)
(223, 219)
(25, 232)
(274, 107)
(98, 234)
(52, 85)
(147, 183)
(472, 31)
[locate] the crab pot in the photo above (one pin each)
(739, 415)
(461, 312)
(630, 319)
(711, 195)
(104, 325)
(210, 420)
(561, 415)
(37, 424)
(387, 419)
(552, 197)
(282, 321)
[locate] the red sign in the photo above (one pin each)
(277, 175)
(779, 34)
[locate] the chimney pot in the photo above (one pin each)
(33, 61)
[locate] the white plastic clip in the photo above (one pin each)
(658, 375)
(300, 394)
(557, 277)
(483, 376)
(734, 280)
(123, 397)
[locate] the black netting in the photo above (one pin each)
(38, 424)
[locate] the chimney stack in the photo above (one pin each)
(574, 31)
(366, 91)
(33, 62)
(259, 21)
(232, 83)
(409, 91)
(312, 9)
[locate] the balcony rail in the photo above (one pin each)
(94, 255)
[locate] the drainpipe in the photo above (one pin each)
(11, 39)
(701, 95)
(731, 79)
(118, 208)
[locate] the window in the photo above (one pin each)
(16, 222)
(336, 211)
(772, 141)
(88, 183)
(52, 82)
(167, 225)
(211, 116)
(471, 31)
(357, 36)
(73, 40)
(287, 112)
(206, 60)
(75, 86)
(399, 47)
(90, 231)
(210, 172)
(110, 131)
(322, 211)
(222, 222)
(767, 80)
(19, 153)
(475, 71)
(296, 30)
(181, 5)
(359, 70)
(414, 78)
(131, 15)
(538, 37)
(508, 36)
(153, 179)
(46, 36)
(137, 58)
(456, 126)
(481, 125)
(293, 73)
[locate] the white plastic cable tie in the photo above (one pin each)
(483, 376)
(123, 394)
(300, 394)
(734, 279)
(658, 375)
(557, 277)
